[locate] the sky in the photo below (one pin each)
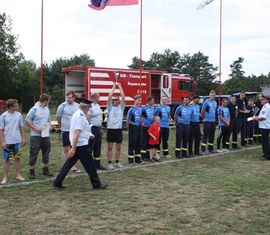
(111, 36)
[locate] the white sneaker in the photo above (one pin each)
(118, 165)
(220, 151)
(110, 166)
(167, 156)
(156, 157)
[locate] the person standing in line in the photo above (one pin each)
(79, 135)
(208, 114)
(224, 126)
(241, 119)
(257, 132)
(164, 112)
(264, 124)
(148, 113)
(64, 113)
(195, 130)
(182, 118)
(250, 125)
(233, 107)
(115, 109)
(95, 120)
(12, 138)
(134, 131)
(38, 119)
(154, 133)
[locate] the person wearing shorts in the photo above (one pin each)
(12, 138)
(63, 115)
(116, 109)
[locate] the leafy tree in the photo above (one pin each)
(9, 56)
(237, 69)
(237, 81)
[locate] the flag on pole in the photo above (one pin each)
(204, 4)
(101, 4)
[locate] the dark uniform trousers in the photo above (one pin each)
(249, 132)
(164, 137)
(257, 133)
(224, 135)
(83, 154)
(134, 143)
(95, 144)
(209, 129)
(144, 143)
(241, 123)
(194, 137)
(233, 133)
(265, 142)
(182, 137)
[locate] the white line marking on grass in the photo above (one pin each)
(26, 183)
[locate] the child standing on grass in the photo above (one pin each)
(154, 133)
(12, 137)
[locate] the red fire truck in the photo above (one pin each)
(2, 103)
(84, 80)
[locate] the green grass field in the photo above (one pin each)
(224, 194)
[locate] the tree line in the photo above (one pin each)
(20, 77)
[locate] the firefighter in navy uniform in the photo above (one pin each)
(250, 125)
(134, 131)
(208, 114)
(257, 136)
(182, 118)
(195, 131)
(79, 134)
(148, 113)
(233, 122)
(164, 112)
(241, 119)
(264, 124)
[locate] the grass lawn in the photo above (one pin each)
(225, 194)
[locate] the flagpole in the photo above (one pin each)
(141, 66)
(220, 51)
(41, 46)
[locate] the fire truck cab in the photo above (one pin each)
(85, 80)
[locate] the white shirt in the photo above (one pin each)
(265, 113)
(95, 115)
(79, 122)
(115, 116)
(11, 124)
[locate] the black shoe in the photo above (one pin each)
(102, 186)
(100, 167)
(59, 187)
(32, 174)
(46, 172)
(178, 156)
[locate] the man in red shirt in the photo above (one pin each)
(154, 133)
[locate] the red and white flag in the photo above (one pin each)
(101, 4)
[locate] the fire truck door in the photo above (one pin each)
(166, 84)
